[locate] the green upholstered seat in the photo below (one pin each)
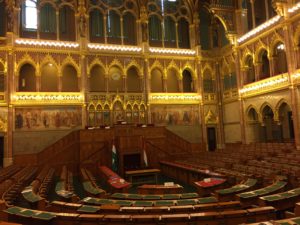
(171, 196)
(189, 195)
(119, 195)
(143, 203)
(123, 203)
(135, 196)
(186, 202)
(88, 209)
(206, 200)
(151, 197)
(164, 203)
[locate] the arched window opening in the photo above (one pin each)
(183, 34)
(49, 79)
(27, 79)
(156, 81)
(250, 72)
(252, 115)
(265, 65)
(169, 32)
(96, 26)
(47, 22)
(155, 31)
(30, 20)
(219, 38)
(2, 19)
(187, 81)
(67, 24)
(129, 29)
(172, 81)
(69, 79)
(279, 57)
(286, 122)
(205, 23)
(113, 27)
(260, 12)
(115, 83)
(133, 80)
(271, 130)
(208, 82)
(97, 79)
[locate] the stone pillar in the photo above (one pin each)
(84, 89)
(239, 76)
(10, 90)
(124, 83)
(180, 84)
(146, 88)
(272, 66)
(253, 13)
(291, 60)
(257, 71)
(220, 127)
(59, 80)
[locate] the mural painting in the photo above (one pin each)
(175, 114)
(47, 118)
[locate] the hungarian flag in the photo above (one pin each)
(145, 154)
(114, 157)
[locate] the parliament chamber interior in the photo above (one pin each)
(156, 112)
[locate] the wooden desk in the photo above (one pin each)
(142, 176)
(208, 185)
(160, 189)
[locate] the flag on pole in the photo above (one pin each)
(145, 153)
(114, 157)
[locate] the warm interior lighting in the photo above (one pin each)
(43, 43)
(119, 48)
(259, 28)
(47, 96)
(281, 47)
(294, 8)
(172, 51)
(263, 84)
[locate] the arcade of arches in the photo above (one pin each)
(229, 66)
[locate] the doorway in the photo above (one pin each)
(211, 138)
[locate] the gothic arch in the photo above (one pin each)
(26, 59)
(70, 61)
(96, 62)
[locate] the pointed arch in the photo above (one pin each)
(70, 61)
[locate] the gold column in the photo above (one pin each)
(240, 75)
(253, 14)
(291, 61)
(8, 137)
(220, 125)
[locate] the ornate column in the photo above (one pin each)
(220, 125)
(272, 66)
(38, 77)
(253, 13)
(257, 71)
(147, 89)
(8, 137)
(59, 79)
(239, 76)
(124, 82)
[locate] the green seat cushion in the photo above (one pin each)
(164, 203)
(296, 220)
(151, 197)
(119, 195)
(88, 187)
(135, 196)
(88, 209)
(186, 202)
(123, 202)
(143, 203)
(171, 196)
(44, 215)
(207, 200)
(189, 195)
(13, 210)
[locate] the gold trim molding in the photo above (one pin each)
(174, 98)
